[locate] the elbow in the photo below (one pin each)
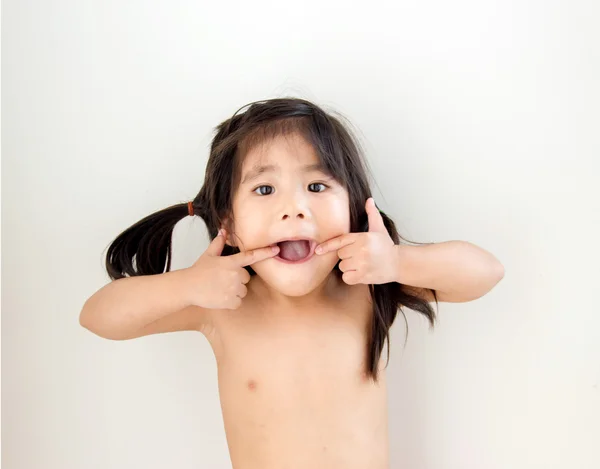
(493, 271)
(85, 320)
(499, 271)
(101, 328)
(487, 281)
(494, 276)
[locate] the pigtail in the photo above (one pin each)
(145, 247)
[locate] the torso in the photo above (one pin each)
(293, 388)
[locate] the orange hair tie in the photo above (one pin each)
(191, 209)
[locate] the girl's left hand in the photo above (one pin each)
(369, 257)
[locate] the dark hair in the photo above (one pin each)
(148, 242)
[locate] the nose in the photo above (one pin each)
(298, 214)
(295, 208)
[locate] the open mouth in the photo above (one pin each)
(295, 251)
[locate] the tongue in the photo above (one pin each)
(294, 250)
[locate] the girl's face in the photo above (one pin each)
(283, 194)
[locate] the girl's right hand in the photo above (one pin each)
(217, 282)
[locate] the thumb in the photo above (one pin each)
(215, 248)
(374, 217)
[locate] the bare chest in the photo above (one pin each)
(302, 350)
(295, 361)
(297, 385)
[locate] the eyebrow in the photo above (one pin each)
(258, 170)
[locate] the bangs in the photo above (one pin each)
(265, 132)
(333, 162)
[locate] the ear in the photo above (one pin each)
(227, 225)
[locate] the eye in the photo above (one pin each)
(317, 184)
(262, 192)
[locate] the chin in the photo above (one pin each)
(292, 289)
(294, 280)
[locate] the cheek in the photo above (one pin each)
(336, 214)
(249, 229)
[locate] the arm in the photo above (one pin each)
(137, 306)
(457, 270)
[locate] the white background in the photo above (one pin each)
(481, 123)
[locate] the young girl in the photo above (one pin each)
(296, 292)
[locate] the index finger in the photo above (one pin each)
(336, 243)
(253, 256)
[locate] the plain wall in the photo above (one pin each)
(480, 122)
